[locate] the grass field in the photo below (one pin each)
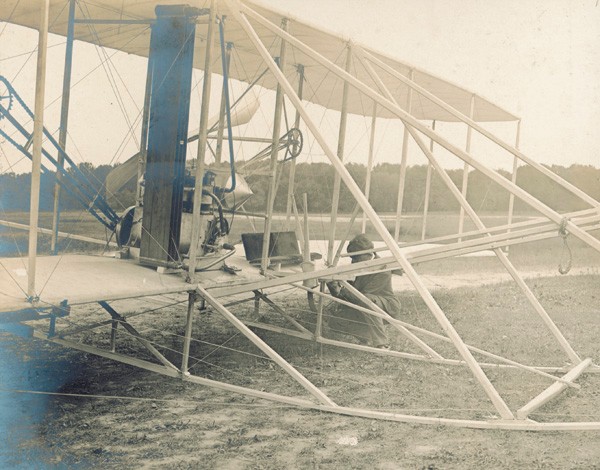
(153, 422)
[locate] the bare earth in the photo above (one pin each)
(158, 422)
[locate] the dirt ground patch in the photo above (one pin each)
(158, 422)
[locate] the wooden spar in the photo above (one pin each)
(286, 366)
(38, 130)
(388, 263)
(476, 245)
(478, 373)
(279, 97)
(306, 234)
(338, 252)
(189, 323)
(133, 332)
(292, 175)
(64, 119)
(514, 151)
(114, 324)
(437, 358)
(340, 154)
(486, 243)
(201, 155)
(403, 162)
(374, 307)
(400, 113)
(146, 365)
(465, 177)
(496, 228)
(507, 425)
(501, 255)
(391, 106)
(513, 178)
(143, 157)
(370, 163)
(280, 311)
(320, 307)
(516, 425)
(299, 231)
(278, 329)
(381, 229)
(427, 189)
(490, 246)
(553, 390)
(221, 128)
(48, 231)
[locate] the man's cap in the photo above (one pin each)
(360, 243)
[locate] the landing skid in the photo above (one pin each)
(317, 398)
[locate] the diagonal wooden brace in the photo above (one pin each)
(286, 366)
(410, 335)
(553, 390)
(155, 352)
(279, 310)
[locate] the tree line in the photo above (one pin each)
(317, 180)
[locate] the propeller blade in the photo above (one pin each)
(121, 175)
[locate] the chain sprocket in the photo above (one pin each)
(6, 95)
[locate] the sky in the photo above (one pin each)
(537, 59)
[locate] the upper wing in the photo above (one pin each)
(135, 38)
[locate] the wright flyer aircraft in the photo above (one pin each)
(192, 186)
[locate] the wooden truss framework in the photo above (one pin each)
(578, 223)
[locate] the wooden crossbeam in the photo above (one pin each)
(286, 366)
(553, 390)
(71, 236)
(402, 329)
(133, 332)
(281, 312)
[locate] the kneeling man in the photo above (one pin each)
(377, 287)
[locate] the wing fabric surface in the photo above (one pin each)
(134, 39)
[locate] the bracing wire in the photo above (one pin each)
(108, 70)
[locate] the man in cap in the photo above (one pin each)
(377, 287)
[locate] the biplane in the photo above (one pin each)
(175, 238)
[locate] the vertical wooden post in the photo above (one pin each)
(221, 128)
(273, 355)
(113, 335)
(447, 145)
(513, 179)
(501, 256)
(476, 369)
(299, 231)
(376, 221)
(435, 309)
(242, 11)
(64, 118)
(370, 163)
(404, 158)
(319, 327)
(141, 163)
(189, 323)
(38, 130)
(292, 175)
(340, 154)
(306, 251)
(264, 264)
(202, 139)
(427, 189)
(465, 178)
